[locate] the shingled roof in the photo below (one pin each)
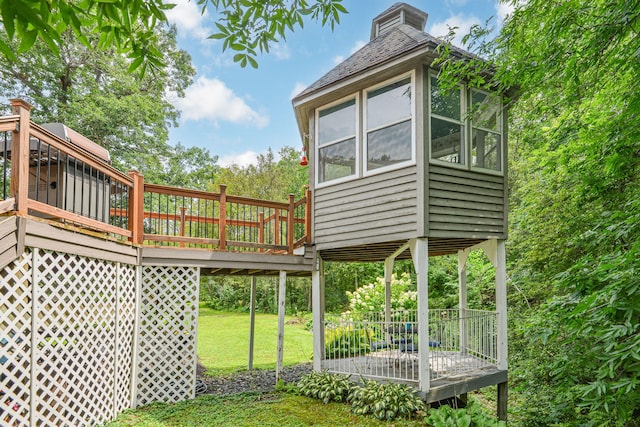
(383, 48)
(396, 41)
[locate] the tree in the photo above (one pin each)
(245, 26)
(269, 179)
(91, 92)
(575, 133)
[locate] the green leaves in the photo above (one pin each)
(251, 26)
(383, 401)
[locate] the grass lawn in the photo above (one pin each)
(267, 410)
(223, 341)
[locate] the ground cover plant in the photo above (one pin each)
(265, 410)
(223, 341)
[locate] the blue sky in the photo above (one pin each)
(238, 113)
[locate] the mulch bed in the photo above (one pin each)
(256, 381)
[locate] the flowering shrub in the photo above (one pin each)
(370, 298)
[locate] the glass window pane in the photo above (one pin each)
(389, 104)
(337, 160)
(389, 145)
(486, 109)
(337, 122)
(447, 141)
(486, 150)
(443, 102)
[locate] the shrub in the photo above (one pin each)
(325, 386)
(471, 416)
(384, 401)
(370, 298)
(344, 341)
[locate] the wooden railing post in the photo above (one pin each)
(307, 215)
(183, 218)
(261, 230)
(136, 207)
(20, 156)
(223, 218)
(276, 227)
(291, 222)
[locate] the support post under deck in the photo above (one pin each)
(420, 255)
(317, 303)
(282, 293)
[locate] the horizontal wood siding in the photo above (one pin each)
(372, 209)
(465, 204)
(44, 236)
(8, 240)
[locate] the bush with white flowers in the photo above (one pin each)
(370, 298)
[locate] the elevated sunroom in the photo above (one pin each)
(403, 168)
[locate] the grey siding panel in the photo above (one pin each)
(465, 204)
(372, 209)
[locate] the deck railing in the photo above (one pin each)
(366, 344)
(46, 176)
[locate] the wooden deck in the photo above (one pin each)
(453, 373)
(73, 199)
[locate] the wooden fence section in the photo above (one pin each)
(46, 176)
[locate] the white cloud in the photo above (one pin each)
(299, 87)
(503, 10)
(356, 47)
(211, 99)
(461, 23)
(280, 51)
(190, 21)
(242, 159)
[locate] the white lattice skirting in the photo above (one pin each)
(81, 337)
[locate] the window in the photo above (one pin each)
(389, 136)
(337, 141)
(486, 138)
(466, 127)
(447, 128)
(369, 132)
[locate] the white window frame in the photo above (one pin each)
(365, 131)
(500, 132)
(462, 122)
(356, 174)
(467, 123)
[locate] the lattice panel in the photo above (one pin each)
(15, 341)
(166, 360)
(75, 302)
(126, 317)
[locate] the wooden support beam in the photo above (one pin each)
(136, 208)
(252, 320)
(462, 299)
(282, 294)
(502, 401)
(317, 307)
(20, 156)
(501, 303)
(420, 256)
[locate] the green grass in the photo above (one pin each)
(223, 341)
(223, 348)
(266, 410)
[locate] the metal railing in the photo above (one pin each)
(366, 344)
(46, 176)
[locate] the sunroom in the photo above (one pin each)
(402, 167)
